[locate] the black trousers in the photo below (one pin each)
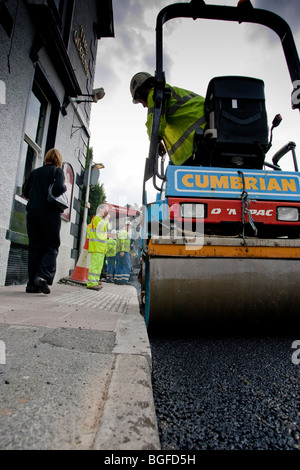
(43, 228)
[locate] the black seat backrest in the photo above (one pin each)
(237, 130)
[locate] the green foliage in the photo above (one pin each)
(97, 197)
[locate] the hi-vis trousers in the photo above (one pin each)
(111, 267)
(95, 269)
(123, 268)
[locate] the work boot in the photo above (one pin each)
(95, 287)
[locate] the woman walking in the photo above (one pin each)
(43, 222)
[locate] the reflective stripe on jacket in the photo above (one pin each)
(183, 114)
(98, 235)
(123, 241)
(111, 247)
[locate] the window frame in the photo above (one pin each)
(38, 148)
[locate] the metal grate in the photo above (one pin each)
(17, 266)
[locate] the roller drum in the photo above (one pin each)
(197, 292)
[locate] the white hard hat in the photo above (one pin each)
(137, 80)
(127, 221)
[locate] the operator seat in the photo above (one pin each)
(236, 133)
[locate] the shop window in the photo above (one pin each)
(39, 135)
(63, 11)
(37, 119)
(69, 181)
(6, 20)
(59, 5)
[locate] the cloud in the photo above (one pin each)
(287, 9)
(133, 45)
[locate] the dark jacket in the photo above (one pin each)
(35, 188)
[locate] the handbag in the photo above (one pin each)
(60, 201)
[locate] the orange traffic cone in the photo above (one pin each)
(81, 270)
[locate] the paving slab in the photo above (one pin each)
(75, 372)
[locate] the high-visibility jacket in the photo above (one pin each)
(111, 247)
(182, 114)
(123, 241)
(98, 235)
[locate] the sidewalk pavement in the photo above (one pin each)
(75, 370)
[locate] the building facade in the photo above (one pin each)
(48, 51)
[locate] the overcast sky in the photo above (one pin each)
(194, 52)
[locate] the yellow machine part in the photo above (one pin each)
(225, 283)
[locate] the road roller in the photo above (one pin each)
(220, 244)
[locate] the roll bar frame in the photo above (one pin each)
(242, 13)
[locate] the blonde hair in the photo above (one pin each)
(53, 157)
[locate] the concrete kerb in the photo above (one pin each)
(129, 419)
